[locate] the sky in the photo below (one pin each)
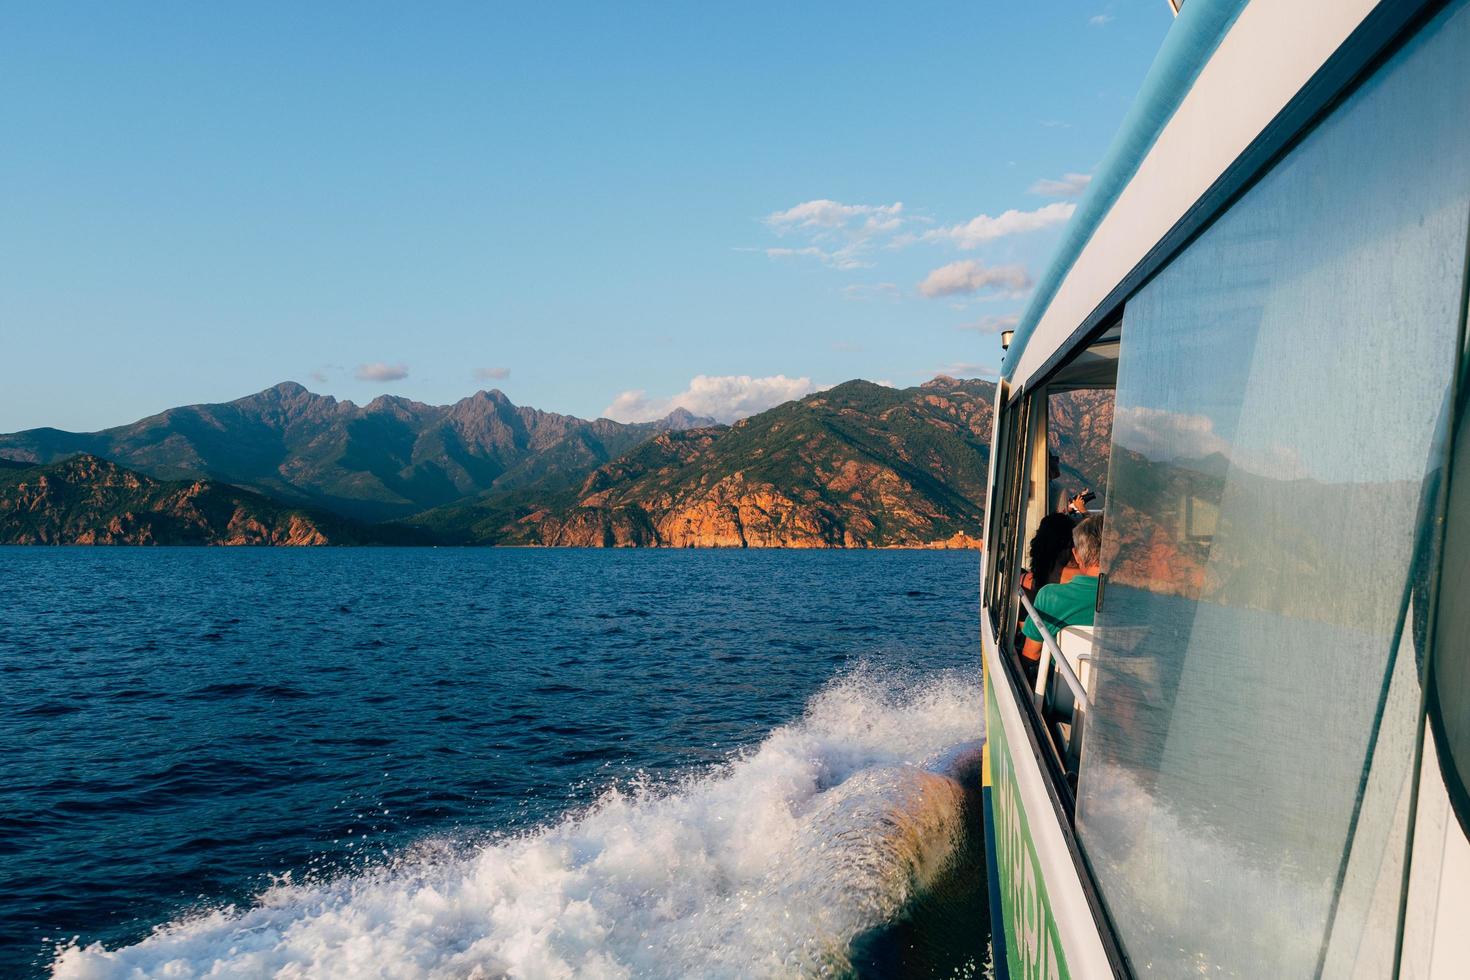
(600, 209)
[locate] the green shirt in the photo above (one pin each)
(1068, 604)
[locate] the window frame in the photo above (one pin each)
(1021, 441)
(1021, 477)
(1001, 509)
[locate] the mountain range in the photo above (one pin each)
(857, 465)
(387, 459)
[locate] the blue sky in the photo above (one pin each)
(716, 205)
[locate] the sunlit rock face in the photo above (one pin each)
(856, 466)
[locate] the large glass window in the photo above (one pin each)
(1281, 405)
(1078, 432)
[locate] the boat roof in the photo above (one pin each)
(1226, 70)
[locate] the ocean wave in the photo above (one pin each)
(766, 866)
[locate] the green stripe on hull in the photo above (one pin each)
(1033, 950)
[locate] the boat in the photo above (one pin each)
(1253, 762)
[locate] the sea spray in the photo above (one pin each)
(766, 866)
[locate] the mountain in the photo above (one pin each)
(390, 458)
(858, 465)
(87, 500)
(1080, 430)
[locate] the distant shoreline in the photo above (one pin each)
(856, 466)
(40, 545)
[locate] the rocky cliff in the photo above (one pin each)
(1079, 430)
(87, 500)
(859, 465)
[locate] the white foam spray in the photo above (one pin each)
(768, 866)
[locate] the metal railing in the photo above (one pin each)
(1054, 650)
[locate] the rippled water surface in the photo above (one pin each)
(443, 761)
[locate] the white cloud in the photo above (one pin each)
(967, 369)
(984, 228)
(320, 377)
(491, 373)
(724, 398)
(1098, 20)
(378, 371)
(1163, 435)
(866, 292)
(994, 323)
(823, 213)
(846, 257)
(1160, 434)
(837, 235)
(969, 276)
(781, 253)
(1071, 185)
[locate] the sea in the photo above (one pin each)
(410, 762)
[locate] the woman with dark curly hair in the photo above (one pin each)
(1049, 553)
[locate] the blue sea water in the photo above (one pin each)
(447, 762)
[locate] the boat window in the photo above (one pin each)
(1079, 430)
(1071, 415)
(1054, 444)
(1281, 403)
(1003, 509)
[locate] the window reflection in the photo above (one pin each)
(1280, 395)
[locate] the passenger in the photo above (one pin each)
(1049, 553)
(1062, 500)
(1071, 603)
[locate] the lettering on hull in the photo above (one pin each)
(1033, 949)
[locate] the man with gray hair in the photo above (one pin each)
(1073, 600)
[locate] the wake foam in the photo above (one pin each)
(768, 866)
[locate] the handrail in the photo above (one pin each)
(1063, 666)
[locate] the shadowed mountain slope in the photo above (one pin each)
(390, 458)
(87, 500)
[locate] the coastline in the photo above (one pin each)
(972, 544)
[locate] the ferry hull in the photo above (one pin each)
(1042, 924)
(1023, 930)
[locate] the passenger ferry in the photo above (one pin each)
(1252, 347)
